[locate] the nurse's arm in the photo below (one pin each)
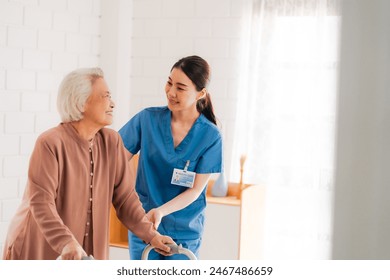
(181, 201)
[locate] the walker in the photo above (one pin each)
(175, 249)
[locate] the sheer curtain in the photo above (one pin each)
(286, 120)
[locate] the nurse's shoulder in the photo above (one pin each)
(208, 127)
(161, 110)
(151, 114)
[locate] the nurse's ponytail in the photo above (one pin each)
(198, 70)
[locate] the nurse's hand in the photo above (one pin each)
(159, 241)
(72, 251)
(155, 216)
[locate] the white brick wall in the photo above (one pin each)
(51, 40)
(8, 188)
(3, 35)
(9, 209)
(36, 60)
(15, 166)
(48, 81)
(90, 24)
(191, 28)
(10, 102)
(84, 7)
(53, 5)
(19, 122)
(66, 21)
(1, 129)
(35, 102)
(27, 142)
(63, 60)
(40, 41)
(9, 145)
(10, 58)
(37, 17)
(20, 79)
(11, 13)
(22, 37)
(2, 80)
(3, 229)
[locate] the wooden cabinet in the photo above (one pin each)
(118, 232)
(233, 227)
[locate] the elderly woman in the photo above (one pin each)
(76, 171)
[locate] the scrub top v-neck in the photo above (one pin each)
(149, 132)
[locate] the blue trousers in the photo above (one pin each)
(136, 247)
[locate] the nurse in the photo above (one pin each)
(180, 148)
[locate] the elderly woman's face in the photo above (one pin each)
(99, 107)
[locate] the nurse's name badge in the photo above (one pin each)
(183, 177)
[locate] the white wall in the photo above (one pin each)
(115, 55)
(136, 43)
(362, 189)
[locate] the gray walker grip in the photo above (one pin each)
(175, 249)
(83, 258)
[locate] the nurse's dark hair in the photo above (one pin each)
(198, 70)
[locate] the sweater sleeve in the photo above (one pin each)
(42, 187)
(126, 201)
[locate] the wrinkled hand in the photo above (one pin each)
(72, 251)
(159, 241)
(155, 216)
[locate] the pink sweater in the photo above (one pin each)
(69, 194)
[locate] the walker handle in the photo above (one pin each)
(175, 249)
(83, 258)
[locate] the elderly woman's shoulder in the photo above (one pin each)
(51, 135)
(109, 133)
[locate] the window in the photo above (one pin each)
(286, 120)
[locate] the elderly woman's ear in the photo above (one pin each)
(80, 107)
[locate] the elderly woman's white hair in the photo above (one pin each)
(74, 91)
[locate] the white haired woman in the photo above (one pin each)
(77, 170)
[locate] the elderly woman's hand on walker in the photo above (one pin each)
(159, 241)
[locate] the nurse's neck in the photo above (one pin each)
(185, 117)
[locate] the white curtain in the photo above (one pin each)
(286, 120)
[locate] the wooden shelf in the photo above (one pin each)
(228, 200)
(232, 194)
(123, 244)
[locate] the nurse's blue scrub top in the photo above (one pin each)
(150, 133)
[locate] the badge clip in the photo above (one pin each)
(186, 167)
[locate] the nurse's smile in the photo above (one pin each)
(173, 102)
